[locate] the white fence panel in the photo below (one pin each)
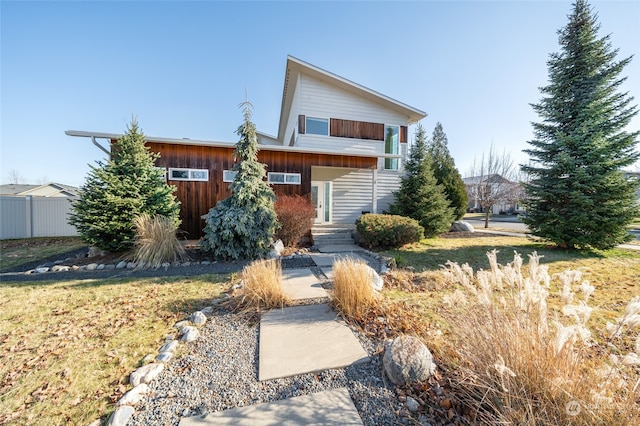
(27, 217)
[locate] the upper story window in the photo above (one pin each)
(317, 126)
(391, 146)
(189, 174)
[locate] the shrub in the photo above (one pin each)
(262, 287)
(295, 215)
(521, 363)
(381, 230)
(353, 294)
(155, 241)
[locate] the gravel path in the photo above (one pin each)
(219, 371)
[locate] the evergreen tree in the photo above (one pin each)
(446, 173)
(420, 196)
(117, 192)
(242, 226)
(578, 195)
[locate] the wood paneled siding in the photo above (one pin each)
(356, 129)
(198, 198)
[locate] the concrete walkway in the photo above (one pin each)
(324, 408)
(298, 340)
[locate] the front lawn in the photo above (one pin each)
(67, 348)
(14, 253)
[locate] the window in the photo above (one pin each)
(228, 175)
(284, 178)
(317, 126)
(189, 174)
(391, 145)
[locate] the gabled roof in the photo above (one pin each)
(296, 66)
(47, 190)
(494, 178)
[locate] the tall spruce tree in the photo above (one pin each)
(117, 192)
(578, 195)
(446, 173)
(420, 196)
(242, 226)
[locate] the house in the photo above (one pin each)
(339, 143)
(500, 193)
(47, 190)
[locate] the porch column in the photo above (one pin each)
(374, 191)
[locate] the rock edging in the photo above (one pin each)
(187, 331)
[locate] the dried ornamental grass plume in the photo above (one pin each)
(587, 290)
(580, 313)
(156, 241)
(631, 358)
(637, 346)
(538, 273)
(496, 272)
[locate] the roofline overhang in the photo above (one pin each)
(220, 144)
(296, 66)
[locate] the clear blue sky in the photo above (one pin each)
(182, 68)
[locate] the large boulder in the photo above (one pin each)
(407, 360)
(461, 226)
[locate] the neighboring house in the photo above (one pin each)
(47, 190)
(502, 194)
(339, 143)
(634, 175)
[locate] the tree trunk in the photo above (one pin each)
(486, 218)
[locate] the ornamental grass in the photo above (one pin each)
(517, 361)
(156, 241)
(353, 294)
(262, 285)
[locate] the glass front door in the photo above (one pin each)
(321, 200)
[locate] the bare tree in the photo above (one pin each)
(14, 177)
(490, 181)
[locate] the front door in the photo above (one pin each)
(321, 200)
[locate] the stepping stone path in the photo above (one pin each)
(297, 340)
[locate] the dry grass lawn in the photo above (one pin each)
(613, 273)
(67, 348)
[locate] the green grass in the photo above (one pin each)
(67, 348)
(15, 253)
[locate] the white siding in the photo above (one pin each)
(292, 120)
(352, 195)
(319, 99)
(346, 145)
(388, 183)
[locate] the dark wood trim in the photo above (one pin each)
(301, 124)
(403, 134)
(356, 129)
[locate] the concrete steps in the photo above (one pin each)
(324, 235)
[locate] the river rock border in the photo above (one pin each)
(58, 266)
(187, 331)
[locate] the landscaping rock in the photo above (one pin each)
(92, 266)
(411, 404)
(180, 324)
(145, 374)
(198, 318)
(407, 360)
(121, 416)
(121, 265)
(60, 268)
(164, 357)
(100, 267)
(189, 334)
(461, 226)
(135, 395)
(169, 346)
(109, 266)
(376, 282)
(42, 270)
